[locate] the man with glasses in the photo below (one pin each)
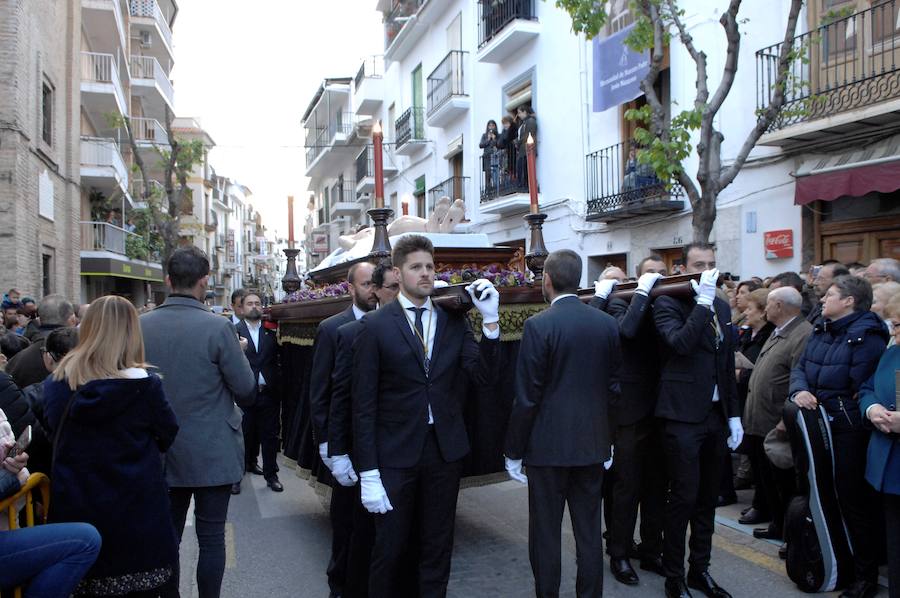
(883, 270)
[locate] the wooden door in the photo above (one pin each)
(673, 258)
(861, 240)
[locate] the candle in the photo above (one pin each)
(291, 221)
(532, 173)
(377, 139)
(405, 207)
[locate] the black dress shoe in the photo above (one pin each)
(724, 501)
(754, 517)
(653, 564)
(745, 510)
(254, 468)
(860, 589)
(274, 484)
(706, 584)
(623, 572)
(767, 533)
(236, 488)
(676, 588)
(782, 552)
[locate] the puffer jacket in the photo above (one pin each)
(839, 357)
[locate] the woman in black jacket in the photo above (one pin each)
(489, 158)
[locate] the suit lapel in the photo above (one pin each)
(406, 332)
(439, 332)
(244, 331)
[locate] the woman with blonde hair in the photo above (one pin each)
(110, 421)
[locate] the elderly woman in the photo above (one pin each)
(878, 400)
(842, 354)
(882, 293)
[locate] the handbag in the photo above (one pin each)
(778, 449)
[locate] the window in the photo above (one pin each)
(394, 203)
(46, 272)
(47, 114)
(419, 196)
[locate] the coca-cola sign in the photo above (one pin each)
(779, 243)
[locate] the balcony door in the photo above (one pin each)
(418, 102)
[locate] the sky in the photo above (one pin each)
(248, 70)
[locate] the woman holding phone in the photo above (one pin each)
(110, 422)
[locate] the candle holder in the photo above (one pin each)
(290, 282)
(535, 258)
(381, 244)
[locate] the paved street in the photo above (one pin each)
(278, 545)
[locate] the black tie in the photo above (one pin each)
(421, 329)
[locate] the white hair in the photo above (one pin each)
(787, 295)
(888, 267)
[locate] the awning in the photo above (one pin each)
(854, 173)
(104, 266)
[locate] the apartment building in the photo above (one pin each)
(39, 146)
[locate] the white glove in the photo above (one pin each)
(342, 470)
(737, 432)
(602, 288)
(514, 469)
(646, 282)
(323, 452)
(374, 498)
(608, 463)
(706, 290)
(486, 300)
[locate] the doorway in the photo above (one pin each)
(673, 258)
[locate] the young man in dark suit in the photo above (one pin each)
(261, 419)
(566, 378)
(362, 294)
(698, 404)
(412, 364)
(638, 474)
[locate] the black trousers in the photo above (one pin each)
(424, 499)
(892, 530)
(342, 513)
(260, 428)
(549, 490)
(359, 552)
(640, 478)
(694, 457)
(774, 486)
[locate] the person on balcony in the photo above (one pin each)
(507, 145)
(637, 175)
(527, 126)
(490, 159)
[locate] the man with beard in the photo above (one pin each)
(260, 424)
(362, 293)
(362, 532)
(412, 365)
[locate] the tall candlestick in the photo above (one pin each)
(532, 173)
(378, 158)
(291, 221)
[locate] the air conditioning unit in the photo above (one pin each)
(146, 39)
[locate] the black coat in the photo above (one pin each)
(324, 349)
(108, 471)
(566, 378)
(266, 359)
(693, 362)
(27, 366)
(340, 421)
(490, 147)
(528, 126)
(391, 392)
(18, 410)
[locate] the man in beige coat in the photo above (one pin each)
(768, 391)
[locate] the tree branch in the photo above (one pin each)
(699, 57)
(768, 115)
(729, 23)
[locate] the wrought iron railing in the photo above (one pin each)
(410, 126)
(847, 63)
(365, 164)
(499, 177)
(494, 15)
(617, 185)
(446, 80)
(395, 20)
(342, 192)
(371, 68)
(454, 188)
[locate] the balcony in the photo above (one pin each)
(501, 192)
(103, 236)
(148, 132)
(368, 86)
(843, 80)
(405, 24)
(103, 24)
(325, 144)
(454, 188)
(365, 171)
(102, 166)
(101, 87)
(147, 16)
(410, 129)
(150, 82)
(618, 187)
(344, 200)
(447, 98)
(504, 27)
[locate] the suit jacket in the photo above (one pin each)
(340, 424)
(324, 349)
(771, 377)
(566, 377)
(391, 392)
(265, 359)
(204, 373)
(639, 379)
(693, 362)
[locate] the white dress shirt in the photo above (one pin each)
(254, 338)
(235, 320)
(357, 312)
(429, 325)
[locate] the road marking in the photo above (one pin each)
(230, 550)
(753, 555)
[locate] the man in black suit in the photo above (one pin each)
(412, 364)
(699, 407)
(362, 295)
(260, 423)
(638, 473)
(566, 378)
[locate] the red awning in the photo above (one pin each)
(856, 181)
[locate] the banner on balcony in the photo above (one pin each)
(618, 70)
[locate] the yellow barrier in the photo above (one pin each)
(36, 481)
